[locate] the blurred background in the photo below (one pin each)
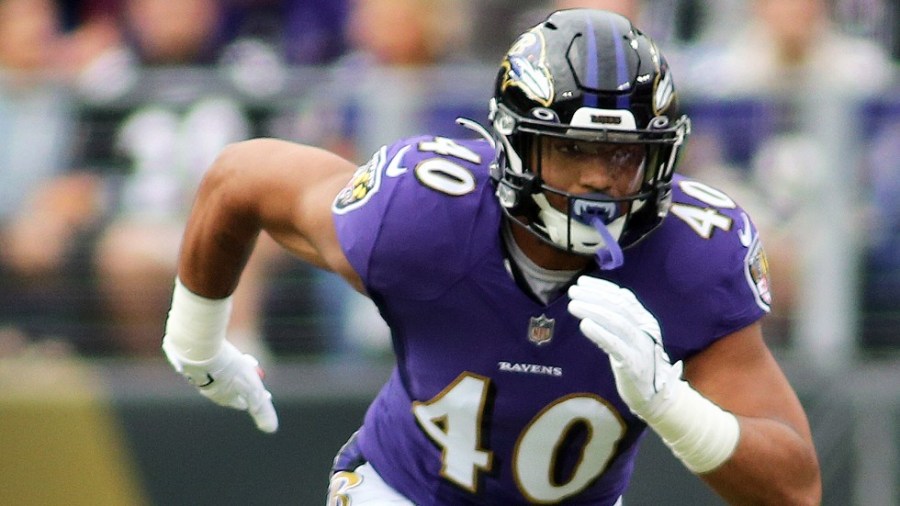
(111, 110)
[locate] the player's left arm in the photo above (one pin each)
(733, 418)
(774, 461)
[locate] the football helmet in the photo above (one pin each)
(585, 75)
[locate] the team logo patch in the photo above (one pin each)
(540, 329)
(526, 67)
(365, 182)
(757, 271)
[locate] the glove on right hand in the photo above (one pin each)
(231, 379)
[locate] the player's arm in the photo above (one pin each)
(282, 188)
(774, 461)
(266, 185)
(733, 419)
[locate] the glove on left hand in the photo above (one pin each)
(618, 323)
(698, 431)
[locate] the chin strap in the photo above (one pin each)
(609, 256)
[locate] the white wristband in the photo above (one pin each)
(196, 325)
(700, 433)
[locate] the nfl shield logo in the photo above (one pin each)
(540, 329)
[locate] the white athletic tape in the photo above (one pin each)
(698, 432)
(196, 325)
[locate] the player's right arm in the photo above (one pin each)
(278, 187)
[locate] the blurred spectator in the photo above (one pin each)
(755, 100)
(406, 70)
(314, 31)
(878, 20)
(672, 24)
(305, 32)
(631, 9)
(881, 282)
(42, 216)
(788, 46)
(393, 73)
(32, 99)
(150, 128)
(523, 19)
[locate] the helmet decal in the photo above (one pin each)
(525, 67)
(664, 93)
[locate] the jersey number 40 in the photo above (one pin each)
(454, 418)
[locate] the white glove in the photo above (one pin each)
(618, 323)
(230, 378)
(698, 431)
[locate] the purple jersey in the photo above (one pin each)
(497, 398)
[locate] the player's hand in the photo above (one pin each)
(231, 379)
(618, 323)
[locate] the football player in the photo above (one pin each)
(554, 289)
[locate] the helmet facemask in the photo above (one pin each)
(589, 223)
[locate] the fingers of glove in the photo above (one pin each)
(263, 413)
(605, 296)
(610, 289)
(614, 322)
(617, 349)
(597, 284)
(604, 293)
(257, 398)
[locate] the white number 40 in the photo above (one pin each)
(704, 219)
(454, 418)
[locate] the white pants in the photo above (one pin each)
(364, 487)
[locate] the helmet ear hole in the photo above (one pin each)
(503, 123)
(659, 122)
(544, 114)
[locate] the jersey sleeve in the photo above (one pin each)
(407, 220)
(722, 247)
(706, 271)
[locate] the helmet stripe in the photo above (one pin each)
(591, 99)
(622, 101)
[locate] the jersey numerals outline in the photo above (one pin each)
(454, 418)
(445, 175)
(704, 220)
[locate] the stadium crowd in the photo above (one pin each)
(111, 110)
